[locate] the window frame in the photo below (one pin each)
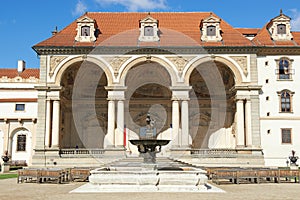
(280, 71)
(148, 28)
(281, 31)
(290, 136)
(83, 29)
(208, 32)
(280, 93)
(17, 109)
(21, 145)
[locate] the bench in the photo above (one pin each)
(43, 175)
(80, 174)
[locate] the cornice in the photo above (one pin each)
(51, 50)
(101, 50)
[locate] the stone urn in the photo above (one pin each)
(293, 158)
(5, 157)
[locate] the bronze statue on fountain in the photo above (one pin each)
(148, 145)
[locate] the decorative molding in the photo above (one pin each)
(180, 62)
(242, 61)
(116, 63)
(54, 62)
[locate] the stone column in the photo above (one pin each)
(48, 123)
(110, 136)
(184, 123)
(240, 123)
(248, 123)
(55, 124)
(120, 123)
(175, 124)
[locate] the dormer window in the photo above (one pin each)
(85, 30)
(148, 29)
(210, 29)
(280, 28)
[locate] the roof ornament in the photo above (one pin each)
(281, 11)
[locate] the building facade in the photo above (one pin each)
(222, 95)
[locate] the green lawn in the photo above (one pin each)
(5, 176)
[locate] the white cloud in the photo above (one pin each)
(295, 22)
(136, 5)
(79, 9)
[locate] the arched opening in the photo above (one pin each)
(148, 92)
(212, 122)
(83, 120)
(20, 148)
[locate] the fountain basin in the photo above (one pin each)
(149, 180)
(150, 142)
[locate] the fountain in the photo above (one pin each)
(148, 145)
(146, 176)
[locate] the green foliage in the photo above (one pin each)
(5, 176)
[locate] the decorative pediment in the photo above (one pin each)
(85, 30)
(148, 29)
(210, 29)
(280, 27)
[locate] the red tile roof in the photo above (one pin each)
(248, 31)
(12, 73)
(122, 29)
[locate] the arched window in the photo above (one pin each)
(285, 101)
(284, 69)
(281, 29)
(211, 31)
(85, 31)
(21, 142)
(148, 31)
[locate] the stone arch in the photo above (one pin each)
(143, 59)
(61, 69)
(237, 72)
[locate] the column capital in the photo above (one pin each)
(181, 88)
(179, 98)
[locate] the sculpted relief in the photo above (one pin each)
(242, 61)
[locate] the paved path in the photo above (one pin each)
(9, 189)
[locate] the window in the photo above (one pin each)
(211, 31)
(284, 69)
(285, 101)
(85, 31)
(281, 29)
(148, 31)
(21, 142)
(286, 136)
(20, 107)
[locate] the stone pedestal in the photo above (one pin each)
(294, 166)
(5, 167)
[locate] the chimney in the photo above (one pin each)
(21, 66)
(54, 31)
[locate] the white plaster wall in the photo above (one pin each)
(7, 110)
(275, 152)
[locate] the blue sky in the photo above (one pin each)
(24, 23)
